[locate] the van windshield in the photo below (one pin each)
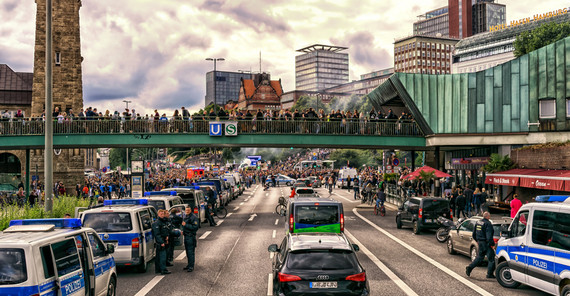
(12, 266)
(316, 214)
(108, 222)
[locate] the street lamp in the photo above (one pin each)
(215, 76)
(127, 102)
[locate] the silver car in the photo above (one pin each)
(461, 239)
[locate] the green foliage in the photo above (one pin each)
(546, 34)
(61, 206)
(227, 154)
(392, 177)
(498, 163)
(354, 157)
(118, 157)
(426, 176)
(355, 102)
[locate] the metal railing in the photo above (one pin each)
(35, 126)
(394, 194)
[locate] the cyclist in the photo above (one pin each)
(380, 198)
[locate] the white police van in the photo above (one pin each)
(127, 224)
(55, 257)
(194, 198)
(165, 200)
(535, 249)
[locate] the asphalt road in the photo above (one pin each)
(232, 258)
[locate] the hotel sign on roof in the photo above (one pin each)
(527, 20)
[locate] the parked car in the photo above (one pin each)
(422, 213)
(281, 180)
(315, 181)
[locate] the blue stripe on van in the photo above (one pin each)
(73, 284)
(47, 286)
(123, 239)
(17, 291)
(103, 266)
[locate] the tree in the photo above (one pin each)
(118, 157)
(498, 163)
(353, 157)
(426, 176)
(546, 34)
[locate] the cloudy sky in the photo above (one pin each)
(152, 52)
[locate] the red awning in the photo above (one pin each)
(558, 180)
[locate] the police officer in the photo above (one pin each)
(483, 234)
(211, 200)
(175, 222)
(189, 228)
(160, 231)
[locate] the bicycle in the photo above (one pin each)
(220, 211)
(381, 210)
(281, 208)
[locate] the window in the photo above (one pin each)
(567, 107)
(97, 246)
(547, 108)
(467, 226)
(551, 229)
(322, 260)
(518, 227)
(317, 215)
(47, 262)
(109, 222)
(66, 257)
(58, 58)
(13, 267)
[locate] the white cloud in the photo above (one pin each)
(152, 52)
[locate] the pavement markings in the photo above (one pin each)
(150, 285)
(181, 256)
(219, 223)
(276, 221)
(352, 201)
(271, 255)
(267, 194)
(426, 258)
(204, 236)
(251, 217)
(236, 208)
(241, 203)
(229, 215)
(382, 267)
(270, 285)
(274, 233)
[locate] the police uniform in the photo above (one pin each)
(160, 231)
(483, 234)
(175, 222)
(189, 230)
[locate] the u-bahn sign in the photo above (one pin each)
(228, 128)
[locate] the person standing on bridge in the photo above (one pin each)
(189, 228)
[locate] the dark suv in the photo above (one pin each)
(317, 264)
(422, 213)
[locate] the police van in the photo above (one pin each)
(165, 200)
(194, 198)
(313, 214)
(535, 249)
(127, 224)
(55, 257)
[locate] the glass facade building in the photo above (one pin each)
(320, 67)
(227, 86)
(433, 23)
(487, 14)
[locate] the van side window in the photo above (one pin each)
(97, 245)
(551, 229)
(146, 220)
(518, 227)
(66, 257)
(47, 262)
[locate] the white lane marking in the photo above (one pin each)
(425, 257)
(149, 286)
(267, 194)
(181, 256)
(274, 233)
(245, 200)
(220, 223)
(270, 285)
(229, 215)
(271, 255)
(276, 221)
(205, 235)
(382, 267)
(352, 201)
(241, 203)
(251, 217)
(236, 208)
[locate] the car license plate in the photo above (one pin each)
(429, 221)
(324, 285)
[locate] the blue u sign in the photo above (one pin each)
(215, 129)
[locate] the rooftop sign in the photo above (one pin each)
(536, 17)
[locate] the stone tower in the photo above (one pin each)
(67, 79)
(67, 83)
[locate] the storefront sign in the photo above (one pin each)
(470, 160)
(539, 183)
(527, 20)
(500, 180)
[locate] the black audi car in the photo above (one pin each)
(317, 264)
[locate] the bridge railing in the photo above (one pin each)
(35, 126)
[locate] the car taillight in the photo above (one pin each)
(196, 210)
(496, 240)
(283, 277)
(135, 243)
(341, 222)
(451, 214)
(291, 223)
(420, 214)
(361, 277)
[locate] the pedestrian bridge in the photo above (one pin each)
(29, 134)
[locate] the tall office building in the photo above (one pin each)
(320, 67)
(433, 23)
(423, 54)
(226, 85)
(486, 13)
(460, 19)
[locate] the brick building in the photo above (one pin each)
(260, 93)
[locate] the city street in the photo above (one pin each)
(232, 258)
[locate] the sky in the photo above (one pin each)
(153, 52)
